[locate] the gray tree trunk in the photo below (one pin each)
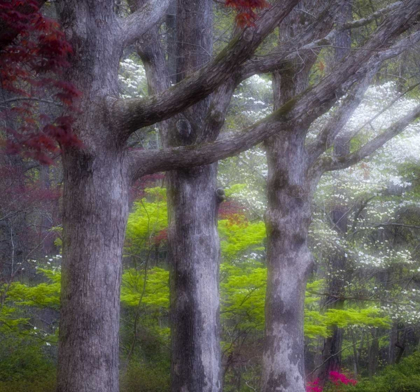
(288, 261)
(95, 205)
(287, 221)
(194, 253)
(95, 214)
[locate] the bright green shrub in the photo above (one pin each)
(404, 377)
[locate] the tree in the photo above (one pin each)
(98, 176)
(294, 169)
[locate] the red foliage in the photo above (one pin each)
(245, 9)
(160, 237)
(29, 71)
(230, 209)
(149, 181)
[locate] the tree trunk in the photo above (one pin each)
(95, 208)
(194, 252)
(194, 255)
(287, 222)
(331, 353)
(373, 354)
(91, 273)
(288, 258)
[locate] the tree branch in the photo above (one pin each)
(144, 162)
(339, 119)
(133, 114)
(364, 21)
(295, 48)
(309, 40)
(142, 20)
(302, 109)
(326, 137)
(338, 163)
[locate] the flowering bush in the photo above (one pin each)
(336, 379)
(314, 386)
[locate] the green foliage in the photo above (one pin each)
(20, 299)
(141, 377)
(243, 295)
(43, 295)
(371, 316)
(404, 377)
(24, 358)
(45, 383)
(149, 217)
(240, 236)
(234, 189)
(153, 293)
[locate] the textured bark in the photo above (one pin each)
(287, 221)
(194, 253)
(95, 205)
(288, 261)
(137, 113)
(302, 109)
(95, 214)
(292, 178)
(192, 237)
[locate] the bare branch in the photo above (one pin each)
(12, 100)
(144, 162)
(296, 48)
(339, 119)
(363, 22)
(337, 163)
(326, 137)
(316, 36)
(142, 20)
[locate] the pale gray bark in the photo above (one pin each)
(95, 209)
(143, 19)
(287, 221)
(194, 252)
(288, 261)
(291, 183)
